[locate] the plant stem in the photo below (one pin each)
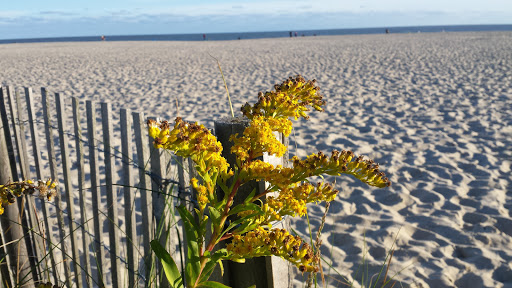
(216, 233)
(225, 86)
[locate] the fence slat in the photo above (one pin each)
(6, 267)
(129, 195)
(141, 141)
(90, 107)
(82, 193)
(64, 149)
(25, 219)
(39, 168)
(36, 241)
(54, 175)
(7, 134)
(19, 140)
(114, 239)
(160, 203)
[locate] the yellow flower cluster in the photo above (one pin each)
(340, 162)
(290, 99)
(277, 242)
(202, 193)
(191, 140)
(9, 192)
(292, 201)
(258, 138)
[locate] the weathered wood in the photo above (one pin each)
(261, 271)
(7, 136)
(184, 191)
(17, 216)
(141, 141)
(90, 107)
(19, 140)
(81, 192)
(114, 238)
(64, 150)
(161, 209)
(280, 269)
(35, 233)
(185, 198)
(54, 175)
(129, 196)
(44, 225)
(6, 268)
(25, 219)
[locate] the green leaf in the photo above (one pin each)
(248, 199)
(187, 216)
(214, 214)
(212, 284)
(171, 270)
(208, 270)
(221, 267)
(212, 262)
(220, 205)
(242, 260)
(244, 207)
(241, 220)
(191, 232)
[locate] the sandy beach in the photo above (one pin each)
(434, 110)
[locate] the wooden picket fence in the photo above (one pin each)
(114, 196)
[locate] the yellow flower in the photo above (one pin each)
(290, 99)
(258, 137)
(11, 190)
(343, 162)
(202, 193)
(191, 140)
(277, 242)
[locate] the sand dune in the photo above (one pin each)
(433, 109)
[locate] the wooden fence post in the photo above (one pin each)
(261, 271)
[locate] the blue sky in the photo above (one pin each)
(55, 18)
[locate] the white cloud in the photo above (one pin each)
(247, 16)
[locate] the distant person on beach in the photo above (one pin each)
(103, 38)
(291, 35)
(204, 36)
(295, 34)
(387, 31)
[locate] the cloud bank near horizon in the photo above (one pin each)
(232, 18)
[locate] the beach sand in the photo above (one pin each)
(434, 110)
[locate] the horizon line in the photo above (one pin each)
(268, 31)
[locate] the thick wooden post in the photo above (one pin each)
(261, 271)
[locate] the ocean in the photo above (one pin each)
(259, 35)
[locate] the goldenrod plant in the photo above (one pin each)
(11, 190)
(251, 234)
